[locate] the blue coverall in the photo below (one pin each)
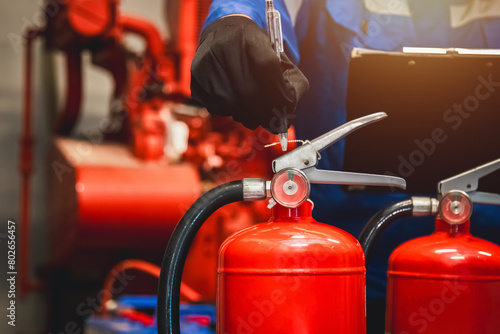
(319, 36)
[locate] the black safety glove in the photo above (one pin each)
(236, 72)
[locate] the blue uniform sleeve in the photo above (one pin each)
(256, 10)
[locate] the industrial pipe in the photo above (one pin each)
(69, 116)
(146, 30)
(26, 168)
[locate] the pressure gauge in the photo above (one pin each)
(290, 188)
(456, 207)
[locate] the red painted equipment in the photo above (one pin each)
(92, 17)
(107, 199)
(123, 188)
(27, 283)
(289, 275)
(448, 282)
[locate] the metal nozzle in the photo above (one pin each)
(284, 141)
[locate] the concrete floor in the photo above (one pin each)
(13, 17)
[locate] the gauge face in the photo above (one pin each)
(456, 207)
(290, 188)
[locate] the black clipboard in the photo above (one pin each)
(444, 115)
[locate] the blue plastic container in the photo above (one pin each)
(194, 319)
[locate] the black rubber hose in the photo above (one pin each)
(178, 247)
(377, 224)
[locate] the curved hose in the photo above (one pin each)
(178, 247)
(377, 224)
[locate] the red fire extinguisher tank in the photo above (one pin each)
(291, 275)
(448, 282)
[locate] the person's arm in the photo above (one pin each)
(235, 71)
(255, 10)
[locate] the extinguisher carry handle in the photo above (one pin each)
(468, 182)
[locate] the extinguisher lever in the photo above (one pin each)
(307, 155)
(469, 182)
(484, 198)
(333, 177)
(296, 170)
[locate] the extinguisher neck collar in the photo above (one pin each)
(282, 213)
(443, 226)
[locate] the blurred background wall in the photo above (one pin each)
(15, 16)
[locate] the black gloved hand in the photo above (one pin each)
(236, 72)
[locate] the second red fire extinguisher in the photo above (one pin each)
(447, 282)
(291, 274)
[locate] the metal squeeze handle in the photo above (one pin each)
(295, 170)
(468, 182)
(305, 158)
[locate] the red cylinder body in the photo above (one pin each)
(105, 199)
(448, 282)
(291, 275)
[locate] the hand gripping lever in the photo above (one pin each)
(296, 169)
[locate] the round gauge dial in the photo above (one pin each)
(456, 207)
(290, 188)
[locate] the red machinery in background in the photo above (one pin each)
(120, 191)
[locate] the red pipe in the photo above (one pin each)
(148, 31)
(188, 41)
(69, 116)
(27, 283)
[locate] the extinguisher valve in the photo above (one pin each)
(455, 207)
(290, 188)
(296, 169)
(457, 193)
